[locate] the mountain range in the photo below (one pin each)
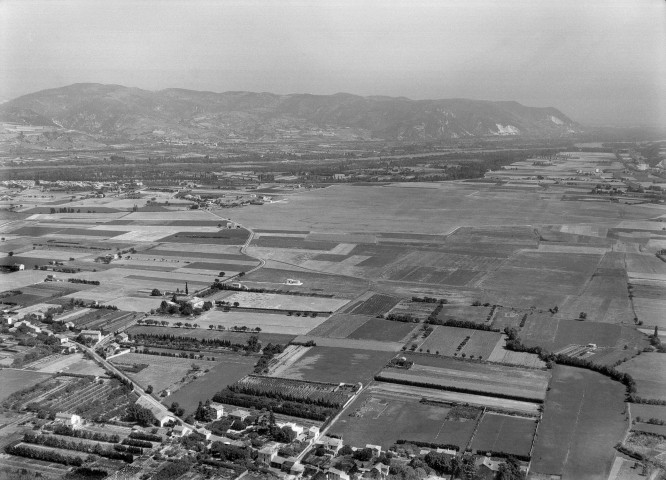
(117, 112)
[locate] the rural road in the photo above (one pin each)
(109, 367)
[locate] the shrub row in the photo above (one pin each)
(80, 280)
(45, 455)
(445, 446)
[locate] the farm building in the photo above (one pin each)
(239, 414)
(68, 419)
(268, 453)
(181, 430)
(297, 429)
(94, 335)
(219, 410)
(163, 418)
(335, 474)
(376, 449)
(330, 444)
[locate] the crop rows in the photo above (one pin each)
(331, 394)
(499, 388)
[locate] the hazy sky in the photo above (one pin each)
(598, 61)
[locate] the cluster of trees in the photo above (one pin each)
(217, 285)
(204, 412)
(151, 437)
(128, 449)
(172, 469)
(285, 407)
(268, 353)
(429, 300)
(176, 409)
(514, 343)
(80, 280)
(140, 415)
(45, 455)
(406, 318)
(97, 449)
(68, 431)
(452, 322)
(335, 401)
(185, 343)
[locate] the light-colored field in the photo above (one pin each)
(649, 372)
(268, 322)
(135, 304)
(286, 302)
(162, 372)
(340, 326)
(446, 340)
(172, 215)
(487, 379)
(651, 311)
(523, 359)
(455, 397)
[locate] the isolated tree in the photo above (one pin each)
(221, 274)
(187, 290)
(156, 293)
(582, 316)
(149, 389)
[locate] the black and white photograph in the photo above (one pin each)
(332, 240)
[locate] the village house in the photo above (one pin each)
(94, 335)
(268, 453)
(331, 445)
(335, 474)
(181, 430)
(218, 410)
(239, 415)
(68, 419)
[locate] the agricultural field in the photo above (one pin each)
(337, 365)
(331, 393)
(200, 333)
(273, 301)
(161, 372)
(461, 342)
(380, 417)
(375, 305)
(13, 381)
(228, 369)
(554, 334)
(646, 412)
(649, 372)
(467, 313)
(279, 323)
(470, 377)
(579, 445)
(504, 433)
(340, 325)
(382, 330)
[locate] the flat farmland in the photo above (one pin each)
(228, 369)
(199, 333)
(337, 365)
(236, 236)
(504, 433)
(268, 322)
(649, 372)
(651, 311)
(554, 334)
(376, 305)
(286, 302)
(12, 381)
(380, 417)
(275, 275)
(583, 419)
(645, 412)
(162, 372)
(446, 340)
(340, 325)
(382, 330)
(507, 317)
(418, 310)
(464, 312)
(482, 378)
(521, 359)
(236, 267)
(351, 343)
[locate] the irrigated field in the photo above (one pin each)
(583, 419)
